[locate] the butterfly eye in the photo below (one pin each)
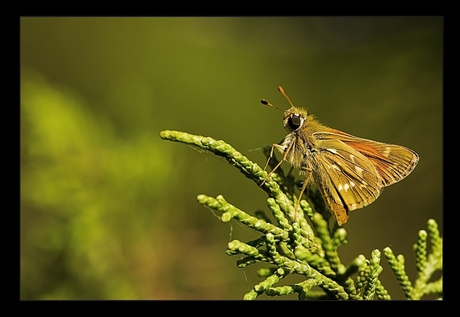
(295, 122)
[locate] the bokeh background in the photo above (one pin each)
(109, 210)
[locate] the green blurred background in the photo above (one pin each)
(109, 210)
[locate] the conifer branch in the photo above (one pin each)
(303, 244)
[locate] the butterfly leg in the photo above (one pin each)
(302, 190)
(281, 149)
(270, 157)
(290, 171)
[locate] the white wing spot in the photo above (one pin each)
(340, 187)
(332, 151)
(359, 170)
(335, 167)
(352, 157)
(387, 151)
(352, 184)
(346, 187)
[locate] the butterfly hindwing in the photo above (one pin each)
(346, 176)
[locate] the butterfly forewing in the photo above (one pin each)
(392, 162)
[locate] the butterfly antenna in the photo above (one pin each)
(281, 90)
(265, 102)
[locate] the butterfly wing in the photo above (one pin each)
(346, 178)
(392, 162)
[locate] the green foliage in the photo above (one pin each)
(80, 187)
(426, 265)
(308, 247)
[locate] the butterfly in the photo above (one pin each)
(350, 172)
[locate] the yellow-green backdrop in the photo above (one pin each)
(109, 210)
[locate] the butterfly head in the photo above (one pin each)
(294, 119)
